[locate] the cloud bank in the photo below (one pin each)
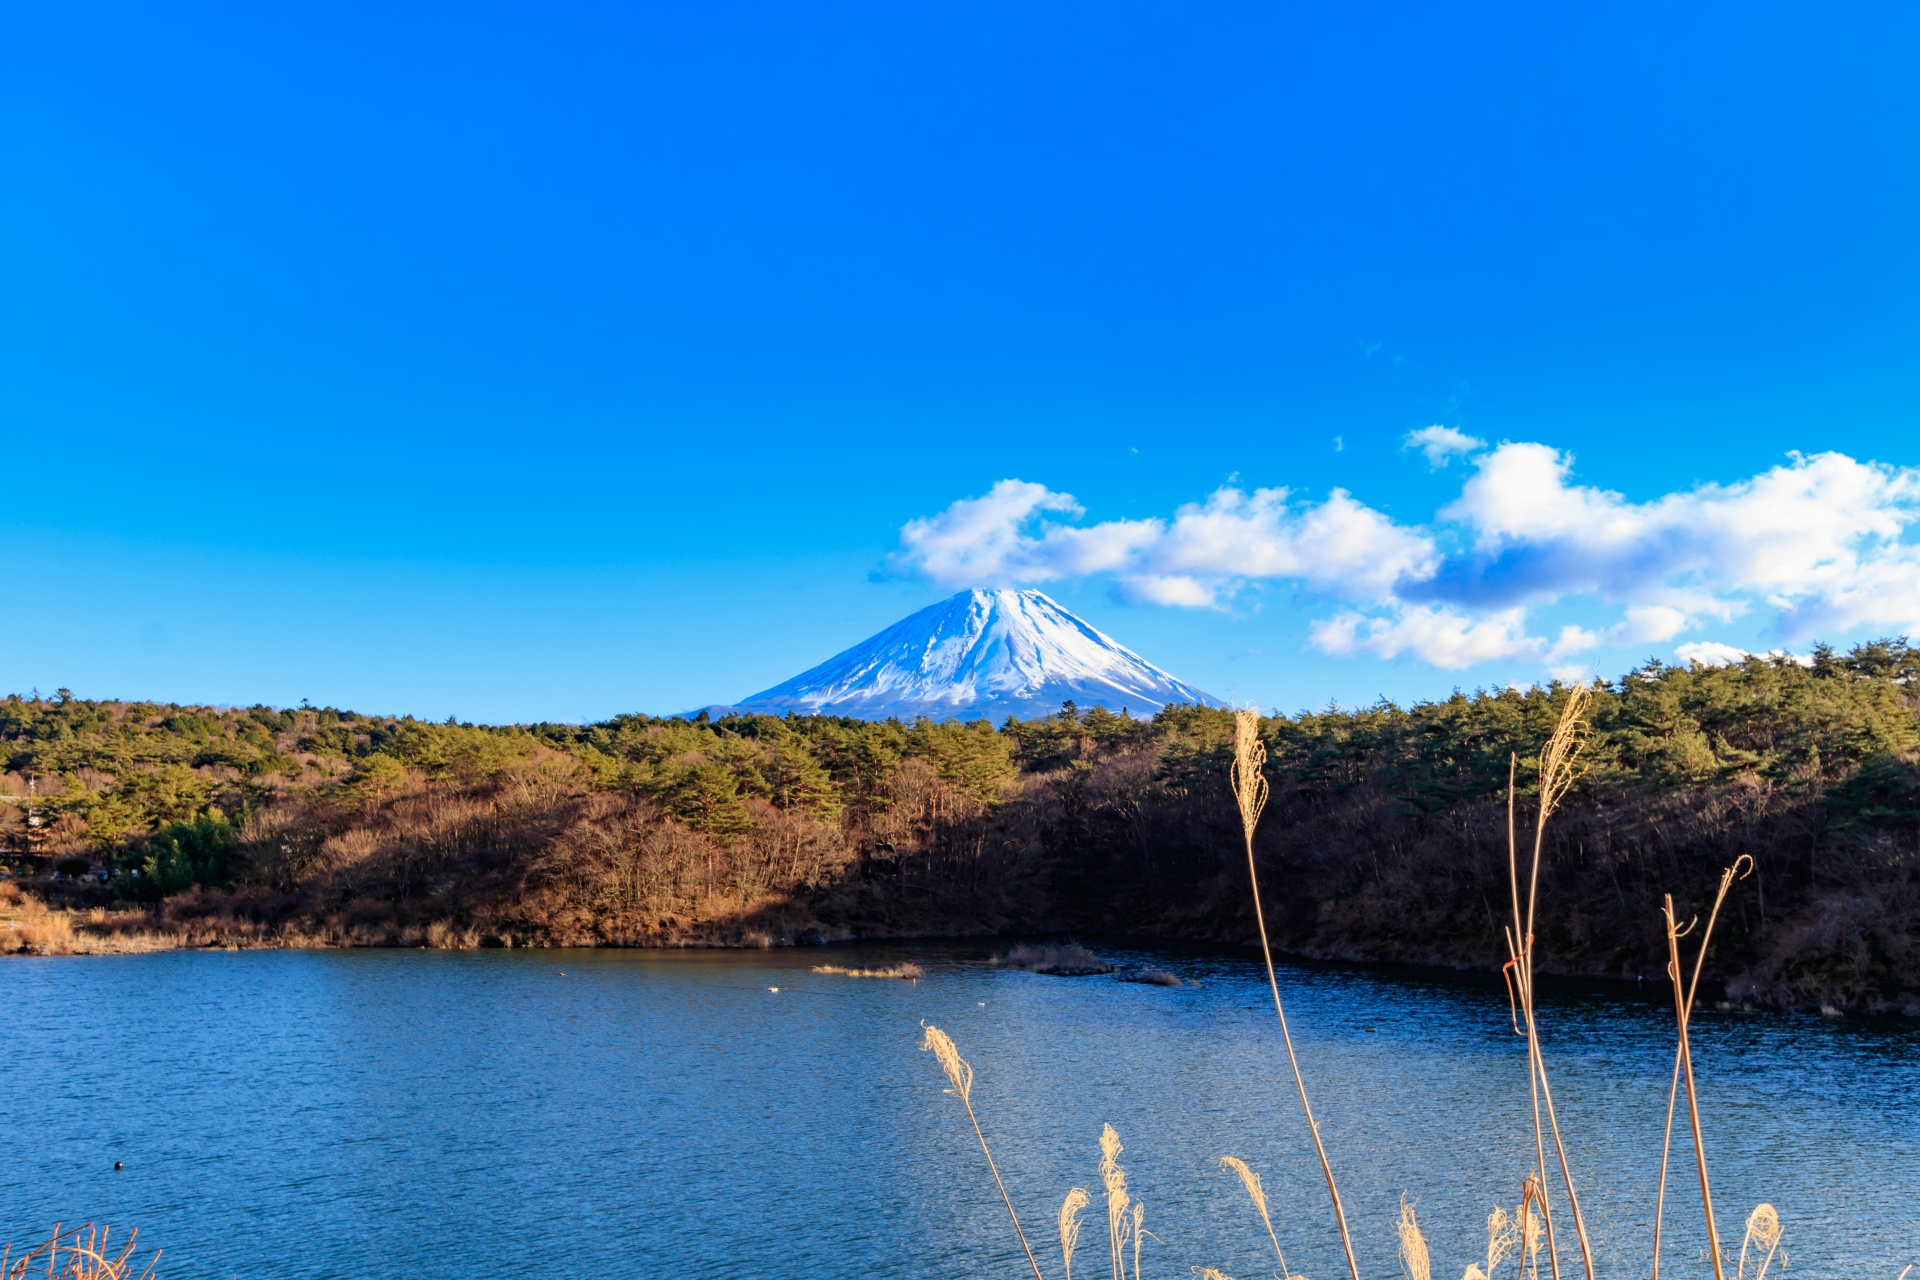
(1817, 543)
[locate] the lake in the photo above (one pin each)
(629, 1113)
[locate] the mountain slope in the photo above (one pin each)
(981, 653)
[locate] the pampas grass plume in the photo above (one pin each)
(1258, 1193)
(1413, 1246)
(1077, 1199)
(1763, 1233)
(1114, 1178)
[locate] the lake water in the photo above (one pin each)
(626, 1113)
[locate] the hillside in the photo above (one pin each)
(1384, 839)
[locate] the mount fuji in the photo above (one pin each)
(981, 653)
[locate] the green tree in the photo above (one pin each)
(800, 784)
(707, 798)
(186, 854)
(376, 777)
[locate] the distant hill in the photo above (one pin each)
(980, 654)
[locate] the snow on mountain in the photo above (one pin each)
(981, 653)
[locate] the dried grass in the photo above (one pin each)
(1502, 1234)
(1531, 1233)
(908, 970)
(27, 926)
(1153, 977)
(1413, 1246)
(1258, 1194)
(82, 1253)
(1249, 779)
(1763, 1232)
(960, 1075)
(1683, 1063)
(1077, 1200)
(1114, 1179)
(1529, 1228)
(1560, 767)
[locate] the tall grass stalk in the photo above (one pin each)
(81, 1253)
(1528, 1231)
(1258, 1193)
(960, 1074)
(1114, 1179)
(1559, 770)
(1413, 1246)
(1250, 791)
(1683, 1062)
(1077, 1199)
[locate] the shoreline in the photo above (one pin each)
(85, 941)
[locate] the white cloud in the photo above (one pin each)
(1651, 622)
(1817, 543)
(1436, 635)
(1442, 444)
(1711, 653)
(983, 539)
(1199, 558)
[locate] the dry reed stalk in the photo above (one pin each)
(1559, 770)
(1683, 1062)
(1114, 1179)
(69, 1256)
(1258, 1192)
(1212, 1273)
(1139, 1217)
(1077, 1199)
(1529, 1234)
(1413, 1246)
(1763, 1230)
(960, 1074)
(1249, 780)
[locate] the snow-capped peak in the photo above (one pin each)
(981, 653)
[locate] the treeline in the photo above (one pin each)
(1385, 837)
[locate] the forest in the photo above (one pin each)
(1385, 839)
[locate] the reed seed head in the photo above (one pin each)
(1115, 1180)
(1258, 1194)
(1502, 1234)
(1560, 757)
(1413, 1246)
(1077, 1199)
(956, 1068)
(1248, 770)
(1763, 1237)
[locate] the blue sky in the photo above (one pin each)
(553, 361)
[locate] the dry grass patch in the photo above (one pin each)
(895, 971)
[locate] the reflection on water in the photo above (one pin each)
(641, 1113)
